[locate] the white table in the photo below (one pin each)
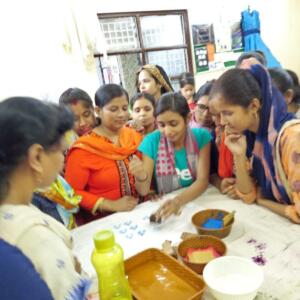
(256, 233)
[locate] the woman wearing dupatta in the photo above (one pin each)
(176, 155)
(248, 103)
(153, 79)
(97, 164)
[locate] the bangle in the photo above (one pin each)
(142, 180)
(101, 202)
(98, 206)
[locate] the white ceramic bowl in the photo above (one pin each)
(233, 278)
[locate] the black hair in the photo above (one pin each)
(262, 53)
(255, 54)
(296, 97)
(72, 95)
(294, 77)
(108, 92)
(185, 79)
(139, 96)
(296, 87)
(204, 90)
(166, 78)
(174, 102)
(26, 121)
(281, 79)
(237, 86)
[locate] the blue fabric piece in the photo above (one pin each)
(272, 103)
(252, 39)
(46, 206)
(80, 290)
(19, 279)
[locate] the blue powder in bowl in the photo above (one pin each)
(211, 223)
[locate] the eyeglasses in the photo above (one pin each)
(202, 107)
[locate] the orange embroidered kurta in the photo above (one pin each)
(97, 168)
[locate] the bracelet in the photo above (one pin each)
(98, 206)
(142, 180)
(101, 202)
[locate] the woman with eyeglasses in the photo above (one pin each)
(221, 164)
(202, 116)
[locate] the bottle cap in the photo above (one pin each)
(104, 239)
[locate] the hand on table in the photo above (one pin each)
(125, 203)
(292, 214)
(228, 187)
(153, 196)
(167, 209)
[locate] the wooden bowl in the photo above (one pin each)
(200, 217)
(201, 242)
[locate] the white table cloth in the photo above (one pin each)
(258, 234)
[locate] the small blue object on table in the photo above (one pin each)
(211, 223)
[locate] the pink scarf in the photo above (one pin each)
(166, 176)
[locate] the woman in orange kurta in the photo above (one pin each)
(97, 164)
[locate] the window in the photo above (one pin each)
(137, 38)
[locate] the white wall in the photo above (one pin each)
(33, 62)
(32, 58)
(280, 22)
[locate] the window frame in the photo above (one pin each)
(143, 50)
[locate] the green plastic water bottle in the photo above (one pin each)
(108, 261)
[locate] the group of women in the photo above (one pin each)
(250, 152)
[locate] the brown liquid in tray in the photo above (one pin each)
(152, 280)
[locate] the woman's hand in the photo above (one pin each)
(292, 214)
(236, 143)
(153, 196)
(125, 203)
(169, 208)
(228, 187)
(136, 168)
(137, 125)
